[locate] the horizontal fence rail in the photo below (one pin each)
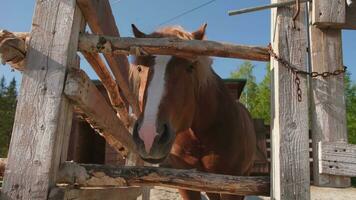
(166, 46)
(169, 46)
(337, 158)
(89, 175)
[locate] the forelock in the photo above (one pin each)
(173, 31)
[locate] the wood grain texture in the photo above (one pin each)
(110, 85)
(101, 21)
(43, 115)
(337, 158)
(350, 20)
(97, 112)
(124, 193)
(106, 176)
(290, 142)
(328, 12)
(328, 110)
(170, 46)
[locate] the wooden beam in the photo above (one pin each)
(290, 142)
(101, 21)
(123, 193)
(326, 13)
(89, 175)
(110, 85)
(328, 110)
(43, 114)
(97, 112)
(337, 158)
(338, 16)
(169, 46)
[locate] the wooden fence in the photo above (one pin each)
(53, 87)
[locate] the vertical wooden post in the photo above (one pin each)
(43, 116)
(290, 142)
(328, 99)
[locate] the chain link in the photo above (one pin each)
(295, 71)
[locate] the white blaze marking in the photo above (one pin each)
(155, 92)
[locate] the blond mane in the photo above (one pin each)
(203, 67)
(174, 31)
(204, 72)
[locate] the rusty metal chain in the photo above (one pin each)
(295, 71)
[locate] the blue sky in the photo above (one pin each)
(250, 29)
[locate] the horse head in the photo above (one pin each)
(170, 98)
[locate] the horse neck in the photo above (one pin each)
(214, 104)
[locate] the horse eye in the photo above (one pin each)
(139, 68)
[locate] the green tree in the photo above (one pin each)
(256, 97)
(263, 107)
(350, 95)
(2, 86)
(248, 96)
(8, 95)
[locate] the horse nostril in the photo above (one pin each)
(165, 134)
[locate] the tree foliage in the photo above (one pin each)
(256, 97)
(350, 94)
(8, 95)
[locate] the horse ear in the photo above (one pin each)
(200, 33)
(137, 33)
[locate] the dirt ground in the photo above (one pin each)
(317, 193)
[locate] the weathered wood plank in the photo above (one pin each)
(170, 46)
(209, 48)
(290, 146)
(101, 21)
(105, 176)
(328, 114)
(337, 158)
(123, 193)
(350, 19)
(328, 12)
(97, 112)
(110, 85)
(43, 114)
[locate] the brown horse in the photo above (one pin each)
(189, 119)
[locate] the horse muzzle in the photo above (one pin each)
(161, 145)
